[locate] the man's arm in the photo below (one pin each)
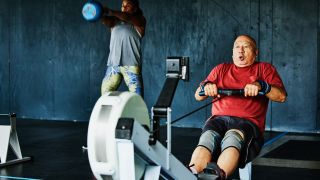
(109, 21)
(138, 21)
(277, 94)
(210, 89)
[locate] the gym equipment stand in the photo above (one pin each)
(8, 135)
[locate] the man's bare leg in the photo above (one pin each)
(228, 160)
(201, 156)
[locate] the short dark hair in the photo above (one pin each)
(137, 4)
(134, 2)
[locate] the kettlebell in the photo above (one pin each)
(92, 10)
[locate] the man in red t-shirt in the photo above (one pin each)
(233, 135)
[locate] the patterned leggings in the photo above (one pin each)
(131, 75)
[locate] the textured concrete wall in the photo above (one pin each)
(57, 60)
(294, 52)
(4, 57)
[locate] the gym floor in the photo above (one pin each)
(59, 153)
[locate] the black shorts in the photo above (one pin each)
(253, 139)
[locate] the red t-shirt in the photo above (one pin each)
(229, 76)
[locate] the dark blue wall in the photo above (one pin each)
(4, 56)
(52, 61)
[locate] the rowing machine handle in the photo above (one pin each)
(228, 92)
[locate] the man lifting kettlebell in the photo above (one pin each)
(127, 30)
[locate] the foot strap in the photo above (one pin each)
(212, 171)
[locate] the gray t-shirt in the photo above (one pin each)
(125, 46)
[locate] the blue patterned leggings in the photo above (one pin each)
(131, 75)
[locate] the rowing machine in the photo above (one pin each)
(118, 142)
(119, 146)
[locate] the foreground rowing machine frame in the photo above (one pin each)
(119, 147)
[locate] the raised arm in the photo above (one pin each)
(109, 21)
(113, 16)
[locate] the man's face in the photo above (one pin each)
(244, 52)
(128, 7)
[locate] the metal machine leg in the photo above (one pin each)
(8, 135)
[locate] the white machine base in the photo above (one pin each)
(132, 158)
(8, 136)
(245, 173)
